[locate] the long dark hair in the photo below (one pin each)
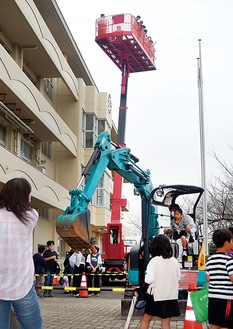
(161, 246)
(14, 196)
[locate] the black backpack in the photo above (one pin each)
(56, 269)
(67, 263)
(61, 280)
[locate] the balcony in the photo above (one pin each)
(48, 125)
(30, 33)
(46, 193)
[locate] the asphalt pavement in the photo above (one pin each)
(64, 311)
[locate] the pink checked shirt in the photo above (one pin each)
(16, 263)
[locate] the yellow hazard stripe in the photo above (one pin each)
(93, 289)
(46, 275)
(70, 288)
(47, 287)
(118, 289)
(66, 274)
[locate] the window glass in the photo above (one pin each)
(48, 87)
(89, 121)
(43, 213)
(26, 151)
(89, 140)
(2, 135)
(46, 149)
(102, 196)
(101, 126)
(89, 130)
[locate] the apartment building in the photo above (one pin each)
(51, 113)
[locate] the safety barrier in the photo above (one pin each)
(89, 289)
(92, 274)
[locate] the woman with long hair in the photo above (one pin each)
(17, 221)
(162, 275)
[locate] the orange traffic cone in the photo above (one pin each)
(84, 292)
(190, 319)
(55, 280)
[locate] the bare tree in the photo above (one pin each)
(219, 202)
(132, 225)
(219, 198)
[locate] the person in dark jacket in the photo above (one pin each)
(39, 265)
(68, 269)
(50, 257)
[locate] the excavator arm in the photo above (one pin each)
(73, 225)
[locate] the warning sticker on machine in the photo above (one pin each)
(187, 277)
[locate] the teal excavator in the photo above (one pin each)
(73, 225)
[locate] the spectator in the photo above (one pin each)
(219, 274)
(88, 270)
(17, 221)
(50, 257)
(68, 269)
(114, 236)
(102, 25)
(230, 252)
(94, 261)
(79, 267)
(162, 275)
(39, 265)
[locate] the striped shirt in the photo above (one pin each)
(16, 262)
(219, 267)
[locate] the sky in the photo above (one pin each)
(162, 127)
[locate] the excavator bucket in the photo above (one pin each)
(73, 228)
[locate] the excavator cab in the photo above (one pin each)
(161, 198)
(165, 195)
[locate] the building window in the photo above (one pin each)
(44, 213)
(103, 126)
(46, 149)
(48, 87)
(89, 130)
(101, 197)
(25, 151)
(2, 135)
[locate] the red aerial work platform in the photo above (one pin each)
(124, 39)
(121, 36)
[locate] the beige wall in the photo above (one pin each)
(36, 118)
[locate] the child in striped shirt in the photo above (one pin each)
(219, 274)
